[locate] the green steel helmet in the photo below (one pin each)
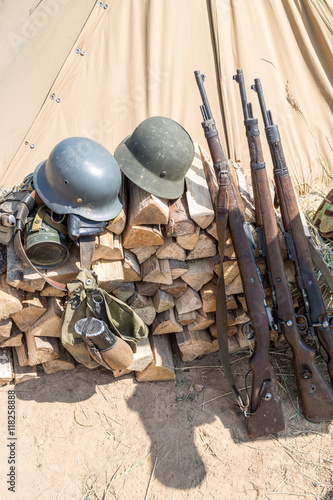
(157, 156)
(80, 177)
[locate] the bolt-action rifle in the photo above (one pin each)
(315, 393)
(315, 319)
(264, 410)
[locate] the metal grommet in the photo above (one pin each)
(77, 290)
(58, 99)
(252, 280)
(52, 96)
(77, 50)
(106, 6)
(88, 281)
(163, 174)
(100, 4)
(268, 396)
(32, 146)
(83, 53)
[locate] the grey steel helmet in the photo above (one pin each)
(157, 156)
(80, 177)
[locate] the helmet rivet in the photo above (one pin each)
(79, 200)
(163, 174)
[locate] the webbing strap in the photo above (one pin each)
(221, 303)
(319, 262)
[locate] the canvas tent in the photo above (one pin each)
(97, 69)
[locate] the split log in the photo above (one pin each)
(22, 352)
(202, 321)
(205, 247)
(186, 318)
(235, 286)
(51, 291)
(188, 241)
(124, 291)
(22, 373)
(49, 324)
(195, 343)
(33, 307)
(63, 363)
(189, 301)
(10, 299)
(147, 288)
(179, 222)
(242, 300)
(141, 236)
(6, 328)
(243, 342)
(231, 330)
(143, 253)
(170, 250)
(108, 247)
(110, 273)
(147, 313)
(245, 190)
(15, 269)
(176, 288)
(199, 272)
(212, 230)
(142, 357)
(137, 300)
(41, 349)
(215, 262)
(157, 271)
(131, 267)
(197, 193)
(143, 306)
(165, 322)
(230, 271)
(146, 208)
(177, 268)
(163, 301)
(208, 297)
(210, 174)
(162, 366)
(6, 366)
(117, 225)
(15, 338)
(231, 302)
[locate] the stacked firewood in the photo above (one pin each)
(161, 257)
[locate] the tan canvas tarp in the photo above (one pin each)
(139, 58)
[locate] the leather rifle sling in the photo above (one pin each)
(87, 249)
(221, 211)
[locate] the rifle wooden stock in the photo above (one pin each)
(297, 244)
(265, 415)
(315, 393)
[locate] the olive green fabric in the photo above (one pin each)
(121, 319)
(323, 219)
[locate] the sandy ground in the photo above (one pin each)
(85, 435)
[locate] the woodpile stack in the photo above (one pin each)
(161, 257)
